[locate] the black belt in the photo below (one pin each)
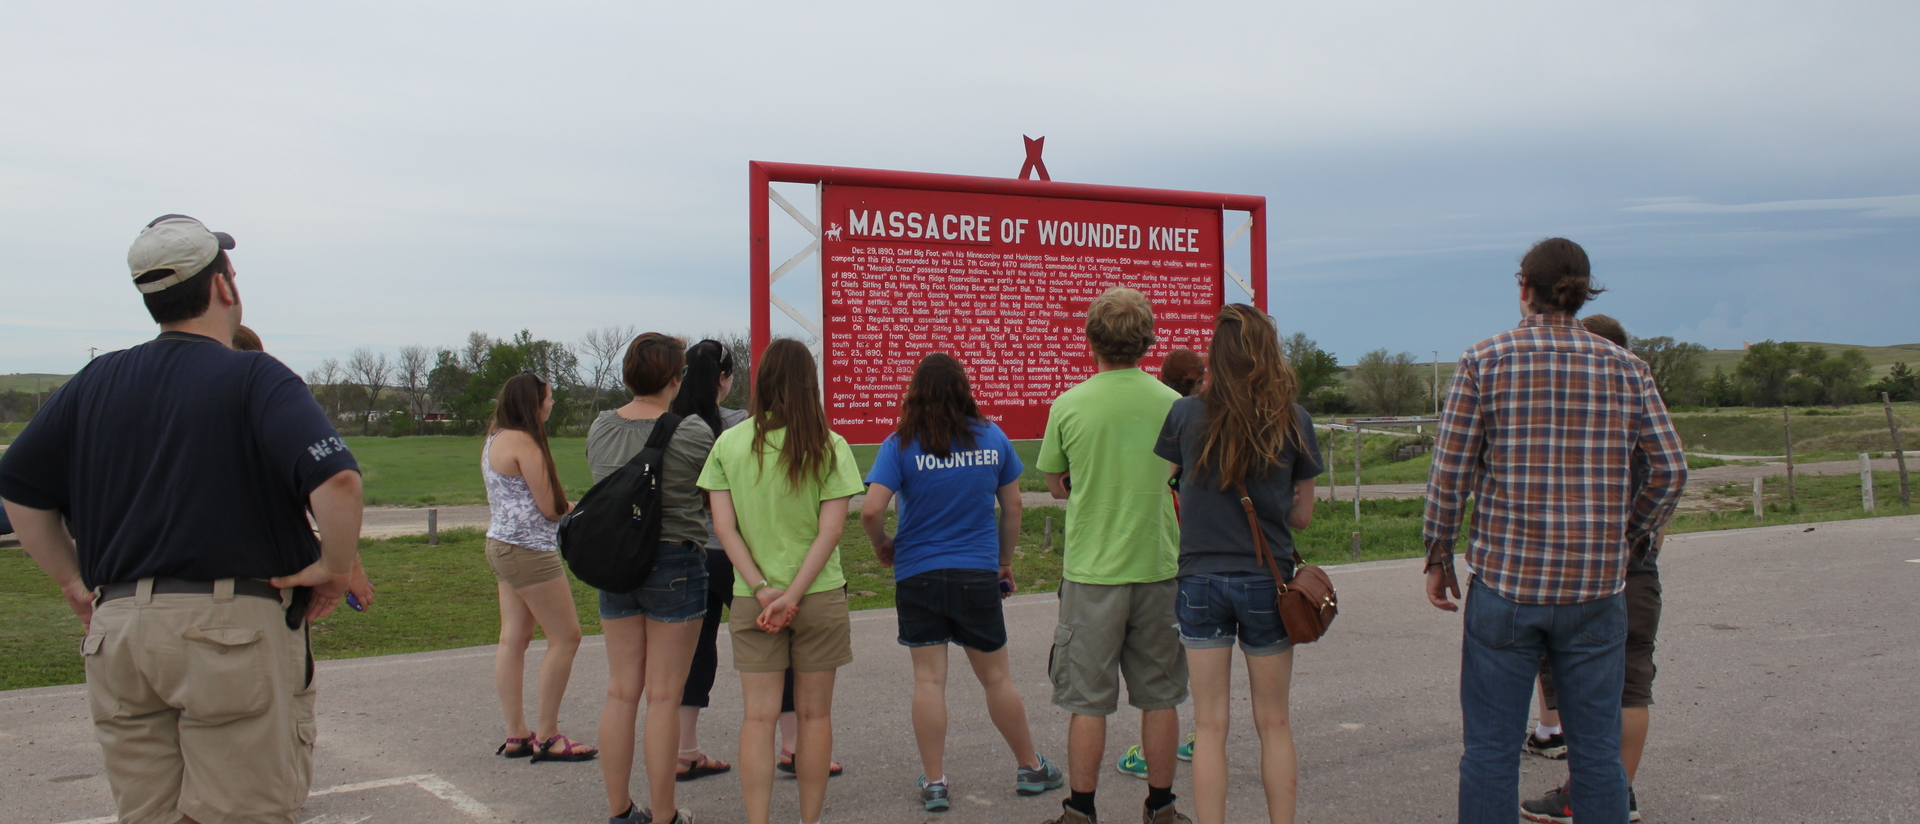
(175, 586)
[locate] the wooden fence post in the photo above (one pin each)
(1046, 535)
(1866, 481)
(1899, 457)
(1333, 475)
(1356, 546)
(1786, 418)
(433, 527)
(1758, 511)
(1356, 473)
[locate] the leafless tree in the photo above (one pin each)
(370, 372)
(325, 383)
(1387, 384)
(410, 374)
(474, 354)
(604, 350)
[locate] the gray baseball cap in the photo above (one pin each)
(175, 242)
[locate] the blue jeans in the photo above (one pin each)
(1500, 654)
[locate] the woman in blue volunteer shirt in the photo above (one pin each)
(949, 466)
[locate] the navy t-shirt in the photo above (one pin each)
(179, 458)
(947, 504)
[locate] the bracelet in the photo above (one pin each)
(762, 585)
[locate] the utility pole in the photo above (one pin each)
(91, 352)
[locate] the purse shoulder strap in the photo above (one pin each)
(1260, 542)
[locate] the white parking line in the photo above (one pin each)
(439, 787)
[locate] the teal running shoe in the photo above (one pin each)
(1036, 780)
(1185, 753)
(934, 796)
(1133, 763)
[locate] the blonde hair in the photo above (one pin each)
(1120, 326)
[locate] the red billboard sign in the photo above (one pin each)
(999, 274)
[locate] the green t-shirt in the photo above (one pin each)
(777, 521)
(1121, 528)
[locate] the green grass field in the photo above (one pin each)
(1820, 433)
(442, 597)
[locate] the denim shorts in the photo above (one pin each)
(957, 605)
(675, 591)
(1216, 607)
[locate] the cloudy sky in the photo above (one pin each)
(402, 173)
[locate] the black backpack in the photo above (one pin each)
(610, 537)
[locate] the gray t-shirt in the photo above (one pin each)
(613, 440)
(1214, 536)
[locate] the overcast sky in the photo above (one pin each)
(401, 173)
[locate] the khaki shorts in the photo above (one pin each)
(819, 639)
(520, 567)
(1110, 632)
(202, 707)
(1643, 626)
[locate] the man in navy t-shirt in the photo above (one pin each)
(950, 558)
(165, 488)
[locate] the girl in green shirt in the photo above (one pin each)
(779, 487)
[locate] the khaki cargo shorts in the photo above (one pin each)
(202, 707)
(519, 567)
(819, 639)
(1111, 632)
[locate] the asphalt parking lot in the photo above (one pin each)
(1789, 660)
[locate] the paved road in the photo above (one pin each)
(388, 522)
(1787, 666)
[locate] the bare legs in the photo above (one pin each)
(1159, 741)
(1004, 706)
(1270, 677)
(550, 606)
(650, 659)
(761, 691)
(930, 708)
(1634, 722)
(813, 756)
(1087, 747)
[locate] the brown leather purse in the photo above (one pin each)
(1308, 605)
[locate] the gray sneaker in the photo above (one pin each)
(1036, 780)
(934, 796)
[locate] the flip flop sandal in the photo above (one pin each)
(517, 747)
(785, 765)
(566, 753)
(697, 768)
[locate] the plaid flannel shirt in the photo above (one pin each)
(1566, 446)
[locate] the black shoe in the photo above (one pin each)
(1554, 746)
(1633, 806)
(1556, 807)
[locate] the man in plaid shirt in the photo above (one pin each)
(1547, 426)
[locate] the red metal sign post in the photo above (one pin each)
(997, 272)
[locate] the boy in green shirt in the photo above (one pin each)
(1122, 551)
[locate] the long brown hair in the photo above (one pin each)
(518, 408)
(938, 412)
(1249, 397)
(786, 395)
